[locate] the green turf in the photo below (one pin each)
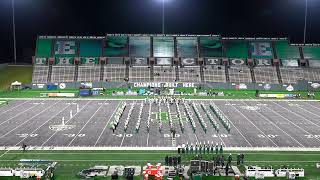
(229, 94)
(71, 162)
(14, 73)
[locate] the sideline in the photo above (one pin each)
(91, 148)
(142, 99)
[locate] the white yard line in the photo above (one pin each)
(85, 124)
(265, 118)
(105, 127)
(291, 122)
(308, 111)
(18, 114)
(13, 108)
(149, 153)
(148, 139)
(297, 114)
(44, 123)
(253, 124)
(234, 126)
(35, 130)
(309, 104)
(125, 149)
(66, 123)
(224, 144)
(124, 134)
(16, 127)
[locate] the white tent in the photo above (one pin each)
(16, 85)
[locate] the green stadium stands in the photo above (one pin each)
(261, 50)
(65, 48)
(311, 52)
(236, 49)
(44, 48)
(163, 47)
(90, 48)
(140, 46)
(285, 51)
(187, 47)
(116, 46)
(210, 47)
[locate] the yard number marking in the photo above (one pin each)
(73, 135)
(27, 135)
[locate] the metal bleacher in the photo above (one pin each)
(266, 74)
(293, 74)
(189, 74)
(214, 73)
(164, 74)
(40, 74)
(139, 74)
(239, 74)
(62, 73)
(114, 73)
(89, 73)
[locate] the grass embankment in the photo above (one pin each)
(71, 162)
(14, 73)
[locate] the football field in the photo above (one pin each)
(86, 123)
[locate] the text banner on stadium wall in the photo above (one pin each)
(169, 85)
(65, 48)
(237, 62)
(90, 60)
(261, 50)
(263, 62)
(290, 62)
(212, 61)
(139, 61)
(64, 61)
(40, 61)
(188, 61)
(164, 61)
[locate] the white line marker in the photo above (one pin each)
(234, 126)
(85, 125)
(66, 122)
(29, 119)
(95, 144)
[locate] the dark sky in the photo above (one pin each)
(268, 18)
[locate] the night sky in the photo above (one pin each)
(251, 18)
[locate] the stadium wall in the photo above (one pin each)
(300, 86)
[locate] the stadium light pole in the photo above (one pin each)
(163, 17)
(14, 33)
(305, 22)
